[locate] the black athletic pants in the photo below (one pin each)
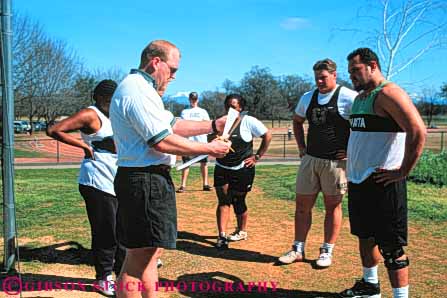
(108, 255)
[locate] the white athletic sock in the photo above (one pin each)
(401, 292)
(328, 246)
(370, 274)
(222, 234)
(299, 246)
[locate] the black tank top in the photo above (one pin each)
(242, 149)
(328, 131)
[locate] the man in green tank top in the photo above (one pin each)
(387, 138)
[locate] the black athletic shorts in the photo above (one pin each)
(239, 180)
(379, 211)
(188, 158)
(147, 214)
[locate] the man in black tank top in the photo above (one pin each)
(382, 114)
(323, 159)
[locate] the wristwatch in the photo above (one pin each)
(257, 157)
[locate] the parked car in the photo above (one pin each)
(39, 125)
(21, 126)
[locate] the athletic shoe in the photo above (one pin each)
(159, 263)
(181, 189)
(106, 286)
(222, 242)
(362, 289)
(207, 188)
(325, 258)
(291, 256)
(238, 235)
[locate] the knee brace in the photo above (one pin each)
(391, 255)
(239, 204)
(224, 199)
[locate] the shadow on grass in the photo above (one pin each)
(218, 284)
(71, 253)
(204, 246)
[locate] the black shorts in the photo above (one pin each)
(239, 180)
(147, 214)
(188, 158)
(379, 211)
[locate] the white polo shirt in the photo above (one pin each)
(139, 121)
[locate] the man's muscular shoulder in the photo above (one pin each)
(390, 95)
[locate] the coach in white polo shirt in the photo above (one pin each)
(146, 137)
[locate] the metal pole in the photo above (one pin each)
(57, 151)
(8, 139)
(442, 141)
(284, 146)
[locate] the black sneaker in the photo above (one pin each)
(222, 243)
(181, 189)
(362, 289)
(207, 188)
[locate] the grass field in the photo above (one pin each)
(54, 238)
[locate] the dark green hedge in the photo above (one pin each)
(431, 168)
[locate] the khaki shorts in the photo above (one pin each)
(316, 174)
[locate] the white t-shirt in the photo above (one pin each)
(344, 103)
(139, 121)
(250, 127)
(196, 114)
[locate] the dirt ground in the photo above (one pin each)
(197, 262)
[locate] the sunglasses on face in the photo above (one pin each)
(171, 69)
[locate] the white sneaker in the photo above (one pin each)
(325, 258)
(238, 235)
(291, 256)
(107, 286)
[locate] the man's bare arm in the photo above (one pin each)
(394, 103)
(188, 128)
(174, 144)
(298, 131)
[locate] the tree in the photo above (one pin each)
(229, 87)
(292, 87)
(444, 91)
(44, 72)
(27, 36)
(213, 102)
(408, 32)
(113, 73)
(174, 107)
(430, 104)
(262, 93)
(83, 90)
(402, 31)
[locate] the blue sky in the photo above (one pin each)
(218, 39)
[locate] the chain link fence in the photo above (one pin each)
(43, 150)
